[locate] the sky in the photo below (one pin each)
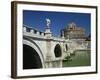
(59, 20)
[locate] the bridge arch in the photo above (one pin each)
(57, 51)
(31, 49)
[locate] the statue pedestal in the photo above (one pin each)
(48, 33)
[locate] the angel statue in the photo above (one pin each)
(48, 22)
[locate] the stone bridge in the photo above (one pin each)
(46, 50)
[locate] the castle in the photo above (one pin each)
(73, 32)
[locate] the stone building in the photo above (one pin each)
(72, 31)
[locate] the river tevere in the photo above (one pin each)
(80, 58)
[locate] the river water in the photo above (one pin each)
(81, 58)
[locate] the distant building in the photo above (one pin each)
(73, 32)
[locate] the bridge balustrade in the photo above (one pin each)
(33, 31)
